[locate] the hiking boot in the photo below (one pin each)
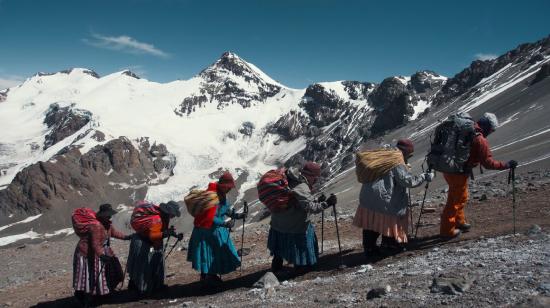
(211, 280)
(302, 269)
(372, 252)
(465, 227)
(276, 264)
(389, 245)
(456, 233)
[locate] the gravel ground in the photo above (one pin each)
(488, 266)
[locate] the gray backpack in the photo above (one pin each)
(450, 148)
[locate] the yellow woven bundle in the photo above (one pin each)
(372, 165)
(197, 201)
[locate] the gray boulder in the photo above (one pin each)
(267, 281)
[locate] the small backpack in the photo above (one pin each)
(198, 201)
(450, 148)
(82, 218)
(144, 214)
(273, 190)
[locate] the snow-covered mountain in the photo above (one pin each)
(74, 138)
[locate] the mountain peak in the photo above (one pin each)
(231, 64)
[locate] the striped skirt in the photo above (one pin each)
(145, 266)
(85, 275)
(296, 248)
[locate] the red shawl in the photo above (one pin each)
(205, 219)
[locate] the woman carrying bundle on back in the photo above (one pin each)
(146, 255)
(383, 200)
(96, 269)
(211, 250)
(292, 235)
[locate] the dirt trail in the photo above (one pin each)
(489, 218)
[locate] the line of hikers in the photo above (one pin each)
(383, 210)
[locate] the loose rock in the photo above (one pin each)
(452, 284)
(267, 281)
(378, 292)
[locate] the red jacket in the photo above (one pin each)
(480, 153)
(97, 235)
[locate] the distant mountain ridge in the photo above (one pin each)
(74, 138)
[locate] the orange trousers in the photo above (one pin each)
(453, 214)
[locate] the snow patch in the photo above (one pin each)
(420, 106)
(24, 221)
(6, 240)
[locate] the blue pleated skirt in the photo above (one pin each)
(211, 251)
(296, 248)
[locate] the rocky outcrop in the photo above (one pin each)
(114, 172)
(247, 128)
(63, 122)
(290, 126)
(358, 90)
(131, 74)
(323, 106)
(426, 83)
(543, 73)
(332, 125)
(388, 91)
(85, 71)
(190, 104)
(392, 114)
(4, 95)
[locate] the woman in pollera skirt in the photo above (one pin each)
(211, 250)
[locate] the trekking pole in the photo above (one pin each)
(172, 248)
(168, 239)
(411, 213)
(512, 177)
(322, 230)
(338, 236)
(422, 207)
(124, 276)
(245, 212)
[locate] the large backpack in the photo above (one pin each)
(198, 201)
(450, 148)
(82, 218)
(273, 190)
(144, 214)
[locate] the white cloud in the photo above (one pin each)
(485, 56)
(124, 43)
(10, 81)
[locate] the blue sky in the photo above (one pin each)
(296, 42)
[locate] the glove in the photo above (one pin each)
(169, 232)
(429, 176)
(179, 236)
(229, 224)
(237, 215)
(325, 205)
(322, 198)
(511, 164)
(105, 258)
(129, 237)
(331, 201)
